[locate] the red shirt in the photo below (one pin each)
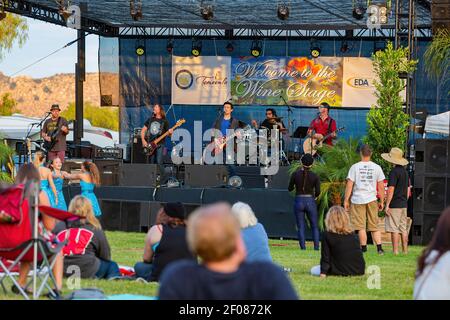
(321, 126)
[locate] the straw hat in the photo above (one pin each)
(395, 156)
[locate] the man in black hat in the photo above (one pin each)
(323, 125)
(54, 133)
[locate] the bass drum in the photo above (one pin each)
(252, 150)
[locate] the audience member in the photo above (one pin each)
(253, 233)
(87, 247)
(341, 254)
(365, 178)
(165, 242)
(433, 272)
(214, 235)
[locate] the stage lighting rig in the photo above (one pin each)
(140, 50)
(283, 11)
(169, 46)
(206, 11)
(344, 46)
(136, 9)
(196, 48)
(256, 49)
(358, 9)
(314, 49)
(229, 47)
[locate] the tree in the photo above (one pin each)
(8, 105)
(387, 121)
(12, 28)
(437, 55)
(98, 116)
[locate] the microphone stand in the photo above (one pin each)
(290, 122)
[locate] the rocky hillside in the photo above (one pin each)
(35, 96)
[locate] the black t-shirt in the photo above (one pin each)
(50, 126)
(398, 178)
(156, 127)
(341, 255)
(186, 280)
(172, 246)
(310, 186)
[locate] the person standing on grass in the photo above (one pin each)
(397, 199)
(433, 272)
(341, 254)
(363, 180)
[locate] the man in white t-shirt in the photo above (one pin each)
(363, 180)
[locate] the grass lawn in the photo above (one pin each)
(396, 272)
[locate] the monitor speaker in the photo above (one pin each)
(251, 176)
(139, 174)
(109, 171)
(205, 175)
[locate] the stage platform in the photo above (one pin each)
(134, 209)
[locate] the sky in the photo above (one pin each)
(43, 39)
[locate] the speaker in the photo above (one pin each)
(424, 225)
(440, 14)
(111, 216)
(431, 157)
(431, 193)
(137, 155)
(205, 175)
(251, 176)
(130, 216)
(109, 171)
(279, 180)
(72, 165)
(139, 174)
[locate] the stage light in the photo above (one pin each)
(315, 51)
(230, 47)
(136, 9)
(196, 48)
(256, 49)
(344, 46)
(140, 50)
(169, 46)
(235, 182)
(207, 12)
(283, 12)
(382, 11)
(358, 11)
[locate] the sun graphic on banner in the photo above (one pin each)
(307, 68)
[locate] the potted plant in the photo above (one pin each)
(332, 170)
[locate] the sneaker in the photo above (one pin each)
(381, 252)
(15, 290)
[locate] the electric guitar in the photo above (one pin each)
(48, 145)
(219, 144)
(150, 149)
(310, 145)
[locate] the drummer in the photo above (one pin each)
(271, 120)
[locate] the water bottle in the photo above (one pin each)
(296, 148)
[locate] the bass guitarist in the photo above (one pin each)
(153, 128)
(323, 125)
(54, 133)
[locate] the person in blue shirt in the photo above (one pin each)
(213, 233)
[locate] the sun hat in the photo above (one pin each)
(395, 156)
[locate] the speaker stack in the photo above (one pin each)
(431, 186)
(440, 14)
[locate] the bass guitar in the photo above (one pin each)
(310, 145)
(150, 149)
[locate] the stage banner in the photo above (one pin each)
(200, 80)
(358, 83)
(299, 80)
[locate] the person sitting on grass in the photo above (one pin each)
(87, 248)
(165, 242)
(341, 253)
(253, 233)
(433, 272)
(213, 233)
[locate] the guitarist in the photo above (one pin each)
(54, 132)
(323, 125)
(153, 128)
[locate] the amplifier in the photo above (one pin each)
(108, 153)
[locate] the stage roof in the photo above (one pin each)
(231, 14)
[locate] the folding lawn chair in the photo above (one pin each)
(20, 240)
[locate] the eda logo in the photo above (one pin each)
(360, 83)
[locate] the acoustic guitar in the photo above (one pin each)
(153, 145)
(310, 145)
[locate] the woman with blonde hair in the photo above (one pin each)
(341, 253)
(253, 233)
(89, 179)
(87, 246)
(47, 183)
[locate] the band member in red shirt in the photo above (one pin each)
(323, 125)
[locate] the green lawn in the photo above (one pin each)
(396, 272)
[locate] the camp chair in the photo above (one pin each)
(20, 239)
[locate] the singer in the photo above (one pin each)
(323, 125)
(54, 133)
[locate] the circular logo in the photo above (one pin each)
(184, 79)
(155, 128)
